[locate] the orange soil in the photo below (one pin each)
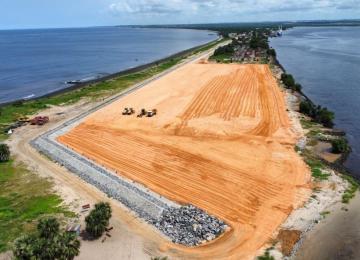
(221, 140)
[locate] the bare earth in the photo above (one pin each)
(222, 140)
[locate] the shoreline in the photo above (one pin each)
(339, 164)
(116, 74)
(327, 196)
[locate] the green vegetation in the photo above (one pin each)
(271, 52)
(351, 190)
(324, 213)
(159, 258)
(24, 197)
(316, 169)
(307, 124)
(290, 83)
(340, 145)
(98, 219)
(4, 153)
(223, 53)
(288, 80)
(48, 242)
(319, 114)
(266, 256)
(259, 41)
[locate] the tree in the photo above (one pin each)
(25, 247)
(4, 153)
(288, 80)
(70, 246)
(48, 228)
(271, 52)
(98, 219)
(306, 108)
(298, 87)
(324, 116)
(47, 243)
(340, 145)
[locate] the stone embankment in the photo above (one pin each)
(189, 225)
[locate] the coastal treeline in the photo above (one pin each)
(318, 113)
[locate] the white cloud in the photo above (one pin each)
(227, 6)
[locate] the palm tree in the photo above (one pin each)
(98, 219)
(104, 208)
(47, 243)
(70, 246)
(25, 247)
(96, 223)
(48, 228)
(4, 153)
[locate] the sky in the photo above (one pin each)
(17, 14)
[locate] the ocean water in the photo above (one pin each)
(326, 61)
(37, 62)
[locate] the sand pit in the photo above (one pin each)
(221, 141)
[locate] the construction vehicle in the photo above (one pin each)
(151, 113)
(128, 111)
(142, 113)
(39, 120)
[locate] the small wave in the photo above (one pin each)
(28, 97)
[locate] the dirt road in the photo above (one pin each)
(221, 141)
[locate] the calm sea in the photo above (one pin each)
(37, 62)
(326, 61)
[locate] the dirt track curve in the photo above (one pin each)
(221, 140)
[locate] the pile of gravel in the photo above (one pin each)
(189, 225)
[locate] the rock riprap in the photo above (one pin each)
(189, 225)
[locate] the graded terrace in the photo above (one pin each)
(221, 140)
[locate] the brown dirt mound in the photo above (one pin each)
(288, 239)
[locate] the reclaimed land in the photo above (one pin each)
(222, 141)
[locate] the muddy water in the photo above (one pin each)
(335, 238)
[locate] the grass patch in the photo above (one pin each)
(316, 169)
(24, 198)
(222, 58)
(324, 213)
(351, 190)
(307, 124)
(313, 133)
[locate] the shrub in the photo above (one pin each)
(288, 80)
(306, 108)
(324, 116)
(319, 114)
(266, 256)
(340, 145)
(4, 153)
(98, 219)
(227, 49)
(298, 87)
(271, 52)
